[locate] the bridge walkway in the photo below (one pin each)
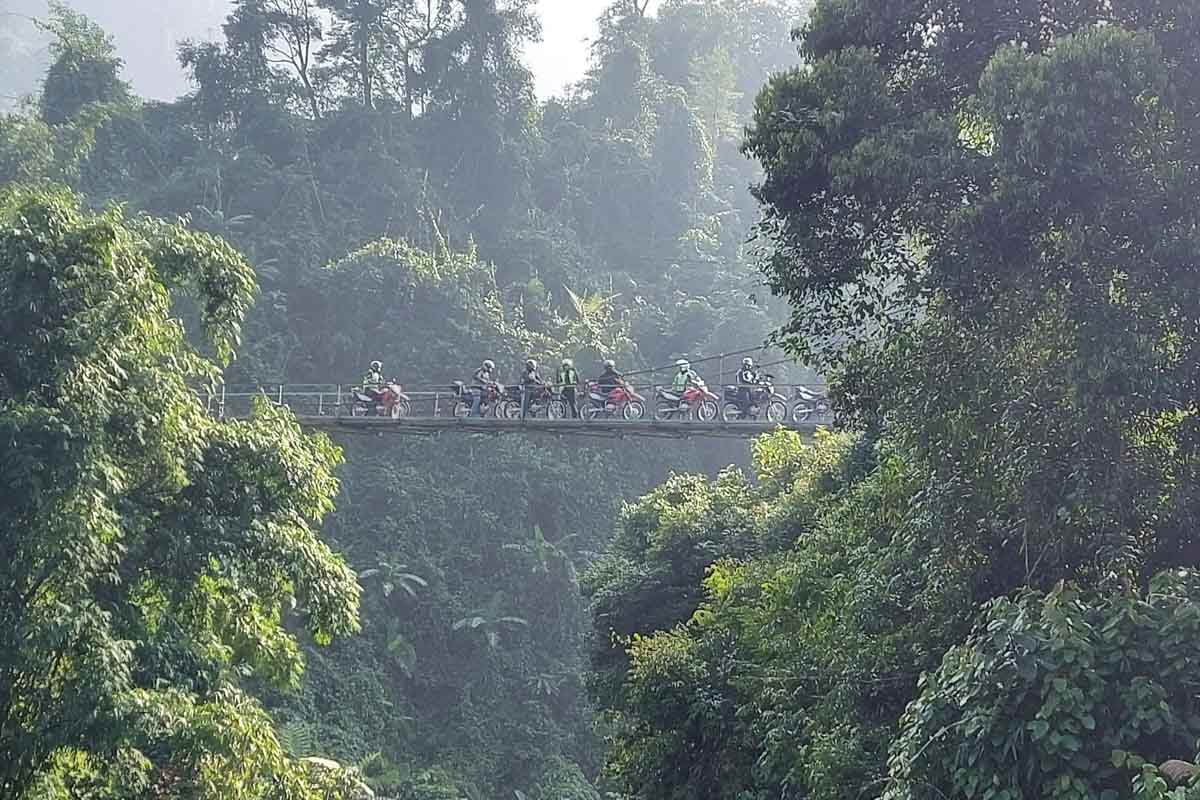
(438, 410)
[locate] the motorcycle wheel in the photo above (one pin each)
(634, 409)
(707, 411)
(400, 410)
(357, 410)
(508, 409)
(556, 410)
(776, 411)
(802, 412)
(731, 412)
(461, 408)
(664, 409)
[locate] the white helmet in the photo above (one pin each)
(610, 364)
(747, 363)
(531, 364)
(568, 362)
(376, 365)
(683, 365)
(489, 364)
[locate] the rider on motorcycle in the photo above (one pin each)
(610, 380)
(531, 382)
(373, 381)
(684, 378)
(748, 383)
(483, 378)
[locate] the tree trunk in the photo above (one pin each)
(364, 68)
(408, 85)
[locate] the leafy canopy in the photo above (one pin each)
(149, 553)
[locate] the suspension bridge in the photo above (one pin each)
(650, 410)
(433, 411)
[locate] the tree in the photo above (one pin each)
(85, 69)
(449, 152)
(1036, 258)
(479, 112)
(294, 30)
(150, 553)
(984, 223)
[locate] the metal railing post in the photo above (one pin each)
(281, 394)
(437, 403)
(321, 404)
(339, 401)
(222, 406)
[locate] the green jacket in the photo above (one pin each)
(682, 380)
(567, 377)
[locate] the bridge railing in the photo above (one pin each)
(433, 402)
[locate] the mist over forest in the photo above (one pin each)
(147, 34)
(759, 400)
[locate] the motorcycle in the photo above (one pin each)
(389, 401)
(696, 402)
(621, 402)
(763, 400)
(464, 398)
(543, 401)
(809, 404)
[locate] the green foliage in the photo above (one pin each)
(1001, 231)
(984, 224)
(84, 69)
(1059, 695)
(401, 195)
(738, 629)
(26, 149)
(148, 550)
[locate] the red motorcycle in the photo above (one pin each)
(622, 402)
(388, 401)
(696, 402)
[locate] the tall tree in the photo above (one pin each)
(479, 112)
(149, 552)
(285, 34)
(914, 189)
(85, 69)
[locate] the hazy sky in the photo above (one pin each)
(147, 32)
(562, 55)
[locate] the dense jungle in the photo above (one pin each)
(979, 220)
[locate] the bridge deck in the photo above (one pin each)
(432, 426)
